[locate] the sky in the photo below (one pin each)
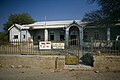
(52, 9)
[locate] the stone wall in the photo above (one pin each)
(34, 61)
(107, 63)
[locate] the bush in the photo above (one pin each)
(4, 37)
(88, 59)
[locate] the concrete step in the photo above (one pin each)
(79, 66)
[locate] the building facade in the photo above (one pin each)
(58, 31)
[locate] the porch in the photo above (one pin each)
(53, 35)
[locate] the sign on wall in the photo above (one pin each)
(45, 45)
(58, 45)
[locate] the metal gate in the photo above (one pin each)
(73, 52)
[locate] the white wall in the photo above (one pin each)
(12, 32)
(20, 33)
(29, 36)
(23, 32)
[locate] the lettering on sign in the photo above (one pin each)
(45, 45)
(58, 45)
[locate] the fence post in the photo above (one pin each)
(56, 61)
(20, 46)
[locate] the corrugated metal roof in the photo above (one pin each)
(47, 24)
(42, 23)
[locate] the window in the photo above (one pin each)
(52, 36)
(39, 37)
(23, 36)
(62, 35)
(96, 35)
(119, 38)
(15, 37)
(73, 33)
(85, 35)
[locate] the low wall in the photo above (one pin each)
(34, 61)
(101, 63)
(107, 63)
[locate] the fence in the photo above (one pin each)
(104, 47)
(26, 48)
(97, 46)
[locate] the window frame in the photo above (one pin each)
(15, 36)
(24, 36)
(96, 35)
(52, 35)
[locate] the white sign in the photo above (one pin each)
(45, 45)
(58, 45)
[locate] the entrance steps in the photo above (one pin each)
(79, 66)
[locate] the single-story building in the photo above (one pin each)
(58, 31)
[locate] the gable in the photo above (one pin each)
(14, 29)
(74, 24)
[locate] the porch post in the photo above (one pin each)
(81, 37)
(67, 36)
(46, 34)
(108, 34)
(26, 35)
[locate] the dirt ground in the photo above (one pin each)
(49, 74)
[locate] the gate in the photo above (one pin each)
(72, 52)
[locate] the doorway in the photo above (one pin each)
(74, 36)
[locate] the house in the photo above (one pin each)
(58, 31)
